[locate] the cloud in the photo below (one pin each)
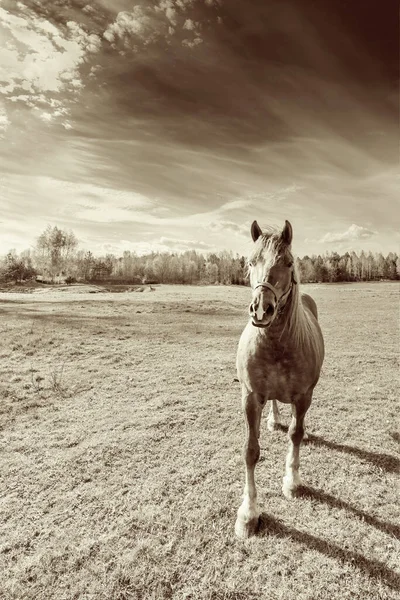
(144, 24)
(184, 3)
(178, 244)
(70, 201)
(4, 121)
(229, 226)
(89, 41)
(189, 24)
(194, 27)
(49, 61)
(163, 244)
(149, 212)
(147, 24)
(352, 234)
(135, 24)
(40, 60)
(192, 43)
(234, 205)
(167, 6)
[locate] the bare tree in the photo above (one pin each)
(54, 248)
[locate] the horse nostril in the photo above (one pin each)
(270, 310)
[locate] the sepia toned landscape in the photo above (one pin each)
(170, 171)
(121, 438)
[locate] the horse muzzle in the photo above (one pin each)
(262, 311)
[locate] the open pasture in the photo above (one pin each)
(121, 438)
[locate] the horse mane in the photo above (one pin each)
(300, 324)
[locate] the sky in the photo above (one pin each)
(173, 124)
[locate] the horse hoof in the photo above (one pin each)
(289, 493)
(290, 487)
(246, 529)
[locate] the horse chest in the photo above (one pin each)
(272, 368)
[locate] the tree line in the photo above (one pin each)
(56, 258)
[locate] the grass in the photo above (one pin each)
(121, 437)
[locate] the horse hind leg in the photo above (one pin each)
(248, 513)
(274, 417)
(291, 480)
(274, 420)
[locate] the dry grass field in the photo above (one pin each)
(121, 438)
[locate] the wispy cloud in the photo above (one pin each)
(115, 209)
(182, 245)
(162, 244)
(234, 205)
(230, 227)
(353, 233)
(4, 121)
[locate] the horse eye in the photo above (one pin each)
(250, 264)
(290, 264)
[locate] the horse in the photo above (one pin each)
(279, 357)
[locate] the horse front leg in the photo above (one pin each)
(291, 480)
(248, 513)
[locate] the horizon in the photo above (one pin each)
(199, 251)
(174, 124)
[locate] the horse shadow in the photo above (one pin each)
(311, 493)
(395, 435)
(387, 462)
(269, 525)
(373, 568)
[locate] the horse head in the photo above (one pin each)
(272, 273)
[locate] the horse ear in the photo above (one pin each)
(287, 233)
(255, 231)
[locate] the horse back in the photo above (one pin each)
(309, 303)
